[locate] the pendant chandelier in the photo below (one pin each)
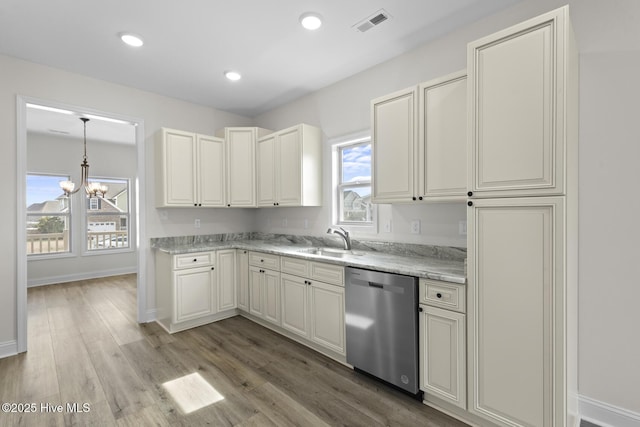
(93, 189)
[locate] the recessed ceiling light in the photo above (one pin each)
(311, 21)
(232, 75)
(131, 39)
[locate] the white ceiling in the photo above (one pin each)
(189, 44)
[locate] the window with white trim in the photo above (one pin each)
(353, 183)
(48, 215)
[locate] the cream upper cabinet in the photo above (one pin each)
(190, 169)
(442, 138)
(520, 86)
(420, 142)
(210, 162)
(394, 136)
(240, 162)
(289, 167)
(516, 311)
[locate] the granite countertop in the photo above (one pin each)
(393, 258)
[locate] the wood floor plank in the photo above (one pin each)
(124, 390)
(123, 330)
(149, 416)
(280, 409)
(98, 415)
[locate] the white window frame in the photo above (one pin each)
(88, 212)
(69, 216)
(337, 145)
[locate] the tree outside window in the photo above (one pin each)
(48, 215)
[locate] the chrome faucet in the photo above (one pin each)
(344, 234)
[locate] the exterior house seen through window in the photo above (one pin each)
(48, 215)
(354, 183)
(107, 218)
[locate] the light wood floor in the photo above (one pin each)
(86, 347)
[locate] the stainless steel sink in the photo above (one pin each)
(336, 253)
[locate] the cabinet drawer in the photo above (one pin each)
(200, 259)
(269, 261)
(327, 273)
(295, 266)
(443, 294)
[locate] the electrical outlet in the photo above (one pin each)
(462, 228)
(306, 223)
(387, 226)
(164, 215)
(284, 222)
(196, 223)
(415, 226)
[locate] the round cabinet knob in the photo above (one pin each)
(213, 268)
(420, 309)
(199, 204)
(414, 198)
(420, 198)
(469, 203)
(195, 204)
(195, 260)
(439, 295)
(470, 193)
(229, 205)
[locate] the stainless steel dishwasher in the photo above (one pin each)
(382, 326)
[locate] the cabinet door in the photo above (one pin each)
(241, 164)
(443, 355)
(194, 293)
(266, 165)
(179, 168)
(326, 311)
(256, 302)
(226, 284)
(517, 109)
(211, 170)
(271, 286)
(294, 304)
(289, 171)
(393, 118)
(515, 310)
(242, 279)
(443, 137)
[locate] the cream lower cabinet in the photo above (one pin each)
(516, 311)
(226, 279)
(443, 349)
(264, 286)
(242, 279)
(186, 290)
(313, 308)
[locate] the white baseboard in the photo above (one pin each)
(8, 348)
(606, 415)
(51, 280)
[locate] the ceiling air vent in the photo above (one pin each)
(376, 19)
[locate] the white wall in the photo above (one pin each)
(608, 38)
(54, 154)
(33, 80)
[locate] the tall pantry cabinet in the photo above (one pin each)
(522, 224)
